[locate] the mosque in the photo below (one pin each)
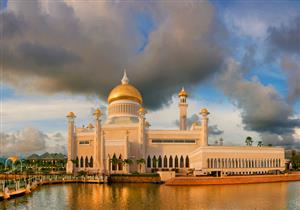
(125, 143)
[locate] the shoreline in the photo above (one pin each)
(228, 180)
(177, 181)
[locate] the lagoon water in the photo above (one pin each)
(150, 196)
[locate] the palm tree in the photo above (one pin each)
(114, 161)
(140, 162)
(249, 141)
(127, 162)
(260, 144)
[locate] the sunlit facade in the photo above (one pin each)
(126, 135)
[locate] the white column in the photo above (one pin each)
(103, 155)
(204, 127)
(71, 142)
(126, 149)
(97, 140)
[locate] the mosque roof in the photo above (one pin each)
(125, 91)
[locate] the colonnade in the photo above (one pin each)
(84, 162)
(242, 163)
(168, 162)
(118, 108)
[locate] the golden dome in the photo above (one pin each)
(125, 91)
(182, 93)
(71, 114)
(204, 111)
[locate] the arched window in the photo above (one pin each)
(171, 162)
(120, 163)
(159, 162)
(86, 162)
(114, 162)
(176, 161)
(81, 162)
(187, 162)
(148, 162)
(181, 162)
(77, 162)
(91, 162)
(208, 162)
(165, 162)
(154, 160)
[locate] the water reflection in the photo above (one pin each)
(148, 196)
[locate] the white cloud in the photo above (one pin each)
(31, 140)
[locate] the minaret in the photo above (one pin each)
(97, 139)
(204, 127)
(182, 109)
(71, 143)
(141, 131)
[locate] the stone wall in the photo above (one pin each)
(134, 179)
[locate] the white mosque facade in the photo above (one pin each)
(125, 143)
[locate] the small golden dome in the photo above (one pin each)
(90, 126)
(125, 91)
(13, 158)
(97, 112)
(204, 111)
(71, 114)
(182, 93)
(142, 110)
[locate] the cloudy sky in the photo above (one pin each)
(240, 59)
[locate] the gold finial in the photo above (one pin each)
(182, 93)
(71, 115)
(125, 79)
(142, 110)
(97, 113)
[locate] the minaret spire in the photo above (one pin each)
(125, 79)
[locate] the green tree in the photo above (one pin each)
(114, 162)
(260, 144)
(295, 160)
(249, 141)
(140, 163)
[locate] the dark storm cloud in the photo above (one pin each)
(46, 56)
(280, 140)
(263, 109)
(286, 37)
(73, 49)
(292, 70)
(284, 41)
